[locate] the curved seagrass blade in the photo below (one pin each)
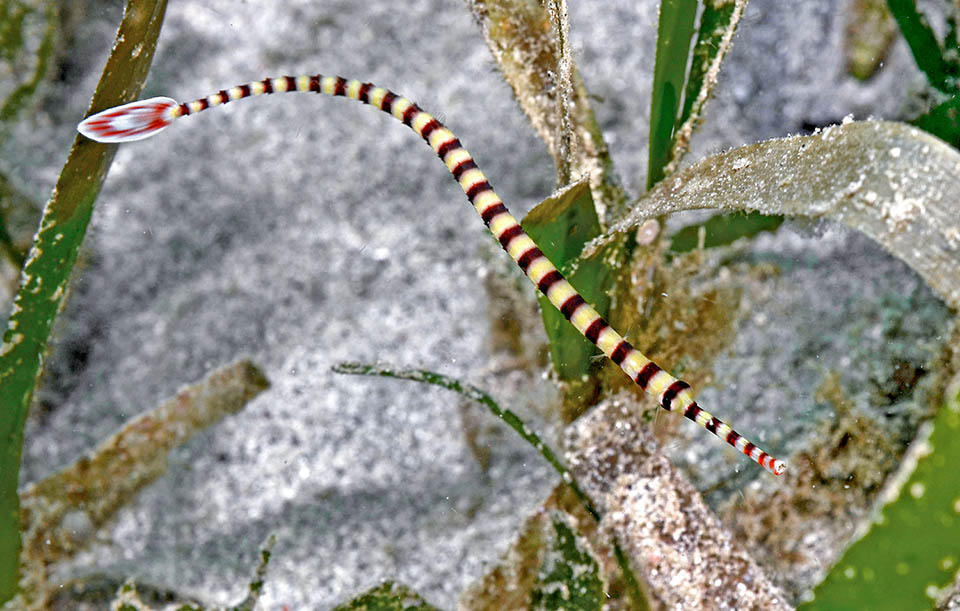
(891, 181)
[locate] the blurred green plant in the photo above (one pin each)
(28, 35)
(569, 576)
(9, 248)
(943, 121)
(939, 62)
(19, 215)
(388, 596)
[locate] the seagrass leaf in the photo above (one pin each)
(893, 182)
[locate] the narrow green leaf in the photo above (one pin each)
(513, 421)
(714, 23)
(561, 225)
(388, 596)
(943, 121)
(914, 549)
(718, 24)
(927, 52)
(674, 33)
(569, 575)
(475, 394)
(46, 274)
(723, 229)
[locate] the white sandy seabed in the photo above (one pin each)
(303, 232)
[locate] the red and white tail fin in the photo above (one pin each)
(133, 121)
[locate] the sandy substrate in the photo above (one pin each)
(302, 232)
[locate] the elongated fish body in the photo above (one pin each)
(144, 118)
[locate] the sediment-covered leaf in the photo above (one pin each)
(893, 182)
(672, 539)
(569, 574)
(60, 513)
(526, 41)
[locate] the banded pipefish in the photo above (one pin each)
(145, 118)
